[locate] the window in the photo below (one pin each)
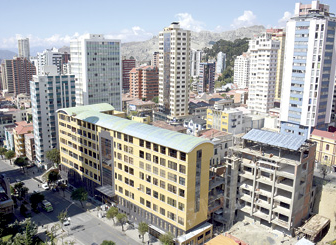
(148, 145)
(142, 165)
(162, 173)
(182, 169)
(155, 147)
(155, 170)
(155, 181)
(180, 220)
(181, 181)
(141, 175)
(141, 143)
(162, 162)
(163, 150)
(182, 156)
(172, 165)
(148, 157)
(172, 177)
(141, 154)
(162, 197)
(172, 153)
(162, 211)
(172, 188)
(171, 215)
(171, 201)
(181, 192)
(148, 191)
(327, 147)
(155, 159)
(155, 194)
(181, 206)
(142, 201)
(148, 167)
(162, 184)
(155, 208)
(148, 204)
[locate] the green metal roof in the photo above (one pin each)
(182, 142)
(96, 107)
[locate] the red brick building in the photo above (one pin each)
(127, 66)
(144, 82)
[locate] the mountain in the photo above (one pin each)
(6, 54)
(142, 51)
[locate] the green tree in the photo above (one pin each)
(25, 232)
(105, 242)
(142, 228)
(112, 213)
(35, 199)
(21, 190)
(10, 155)
(62, 216)
(122, 219)
(167, 239)
(155, 99)
(54, 156)
(52, 233)
(21, 162)
(2, 151)
(53, 176)
(80, 195)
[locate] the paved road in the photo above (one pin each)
(85, 228)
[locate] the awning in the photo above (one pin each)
(107, 190)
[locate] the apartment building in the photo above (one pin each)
(16, 74)
(96, 64)
(325, 147)
(155, 175)
(24, 48)
(195, 61)
(144, 82)
(127, 66)
(227, 120)
(6, 201)
(220, 63)
(10, 116)
(309, 70)
(206, 82)
(155, 59)
(269, 180)
(174, 68)
(263, 68)
(51, 57)
(30, 147)
(50, 91)
(241, 71)
(19, 131)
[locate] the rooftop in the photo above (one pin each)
(194, 232)
(140, 102)
(24, 127)
(324, 134)
(212, 133)
(221, 240)
(168, 138)
(291, 142)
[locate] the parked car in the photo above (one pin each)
(66, 222)
(45, 186)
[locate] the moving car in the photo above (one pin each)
(45, 186)
(47, 206)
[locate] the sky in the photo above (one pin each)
(54, 23)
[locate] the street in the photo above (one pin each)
(85, 227)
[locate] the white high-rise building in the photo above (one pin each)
(220, 63)
(49, 92)
(95, 61)
(241, 70)
(174, 48)
(24, 49)
(195, 61)
(263, 68)
(309, 70)
(49, 57)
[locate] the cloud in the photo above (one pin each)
(247, 19)
(287, 15)
(126, 35)
(189, 23)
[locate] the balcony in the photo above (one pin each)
(246, 174)
(216, 181)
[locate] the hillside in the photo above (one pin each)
(143, 51)
(6, 54)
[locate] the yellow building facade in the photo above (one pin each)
(325, 146)
(155, 175)
(19, 132)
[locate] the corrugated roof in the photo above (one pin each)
(168, 138)
(96, 107)
(291, 142)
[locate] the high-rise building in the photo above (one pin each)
(220, 63)
(309, 70)
(195, 61)
(51, 57)
(127, 66)
(279, 35)
(174, 46)
(49, 92)
(155, 59)
(206, 82)
(263, 68)
(144, 82)
(96, 64)
(16, 74)
(155, 175)
(242, 70)
(24, 49)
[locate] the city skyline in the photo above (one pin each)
(132, 26)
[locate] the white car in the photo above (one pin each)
(66, 222)
(45, 186)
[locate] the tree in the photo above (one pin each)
(155, 99)
(21, 162)
(25, 232)
(54, 156)
(62, 216)
(53, 176)
(105, 242)
(2, 151)
(143, 228)
(112, 213)
(10, 155)
(63, 188)
(80, 195)
(167, 239)
(122, 219)
(23, 192)
(35, 199)
(52, 233)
